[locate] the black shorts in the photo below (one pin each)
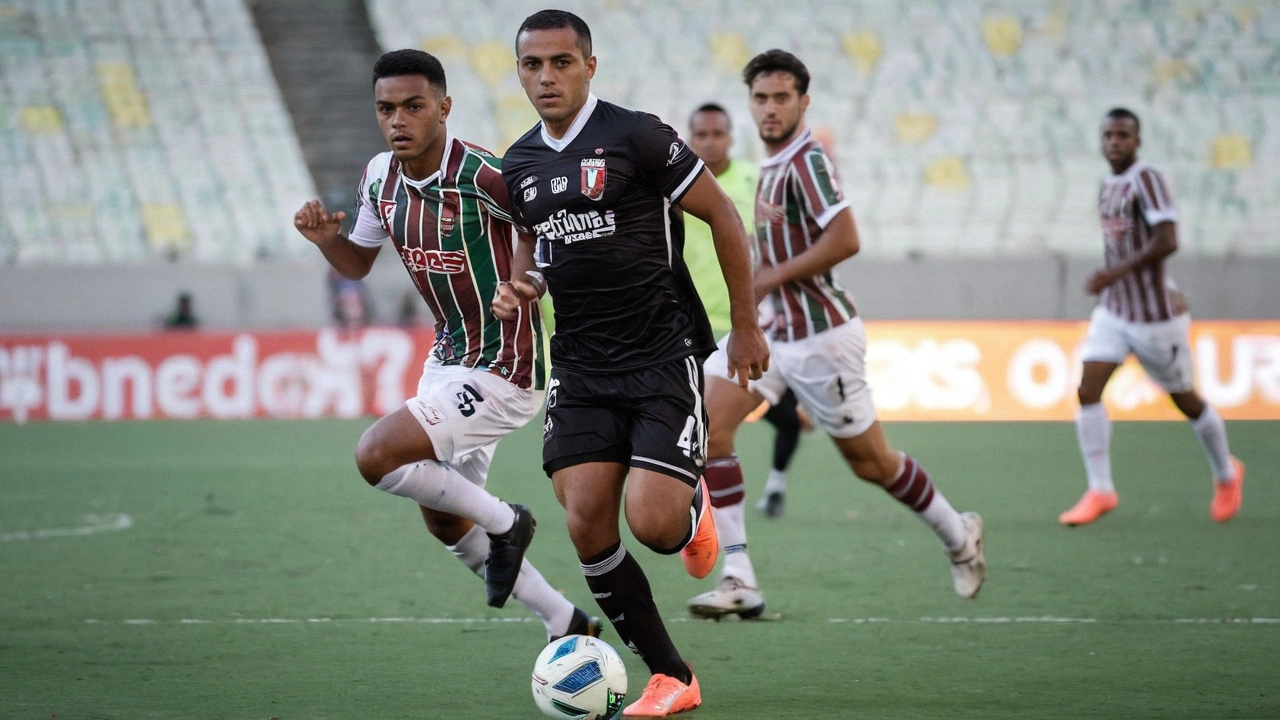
(653, 418)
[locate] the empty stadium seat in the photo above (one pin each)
(142, 130)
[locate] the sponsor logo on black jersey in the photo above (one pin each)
(673, 154)
(528, 181)
(575, 227)
(593, 177)
(559, 185)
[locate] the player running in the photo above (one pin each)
(596, 184)
(804, 227)
(1141, 312)
(443, 205)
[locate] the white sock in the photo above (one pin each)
(440, 487)
(731, 526)
(1213, 436)
(1093, 430)
(776, 482)
(532, 589)
(945, 521)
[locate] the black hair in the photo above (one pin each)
(554, 20)
(1119, 113)
(711, 107)
(777, 60)
(410, 62)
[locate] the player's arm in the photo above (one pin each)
(1164, 242)
(838, 242)
(748, 351)
(324, 230)
(526, 283)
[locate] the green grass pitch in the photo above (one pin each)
(259, 578)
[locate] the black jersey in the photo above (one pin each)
(609, 240)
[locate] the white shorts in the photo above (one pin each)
(827, 372)
(1163, 348)
(466, 412)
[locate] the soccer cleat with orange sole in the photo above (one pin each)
(1227, 495)
(700, 554)
(1092, 505)
(665, 695)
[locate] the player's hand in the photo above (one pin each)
(1098, 282)
(317, 224)
(510, 296)
(764, 281)
(748, 355)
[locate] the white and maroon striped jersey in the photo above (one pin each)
(1130, 205)
(797, 196)
(453, 231)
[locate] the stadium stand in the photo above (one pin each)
(960, 128)
(140, 130)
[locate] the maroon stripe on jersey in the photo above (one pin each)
(1163, 311)
(1141, 295)
(460, 284)
(806, 305)
(1141, 299)
(513, 337)
(1153, 190)
(416, 233)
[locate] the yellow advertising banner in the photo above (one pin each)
(1012, 370)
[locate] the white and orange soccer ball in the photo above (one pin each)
(579, 677)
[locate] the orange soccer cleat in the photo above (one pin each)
(700, 554)
(1227, 495)
(665, 695)
(1091, 506)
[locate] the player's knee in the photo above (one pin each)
(371, 461)
(1088, 395)
(660, 532)
(663, 543)
(1191, 404)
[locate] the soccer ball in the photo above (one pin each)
(579, 677)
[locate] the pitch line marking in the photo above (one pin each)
(96, 524)
(927, 620)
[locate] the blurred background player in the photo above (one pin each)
(479, 383)
(596, 184)
(1141, 312)
(805, 227)
(183, 316)
(711, 136)
(352, 312)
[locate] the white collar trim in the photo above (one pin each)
(584, 114)
(785, 154)
(438, 175)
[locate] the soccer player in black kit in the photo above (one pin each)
(595, 184)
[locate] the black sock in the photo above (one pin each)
(622, 592)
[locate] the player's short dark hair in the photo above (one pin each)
(410, 62)
(1119, 113)
(711, 107)
(554, 20)
(777, 60)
